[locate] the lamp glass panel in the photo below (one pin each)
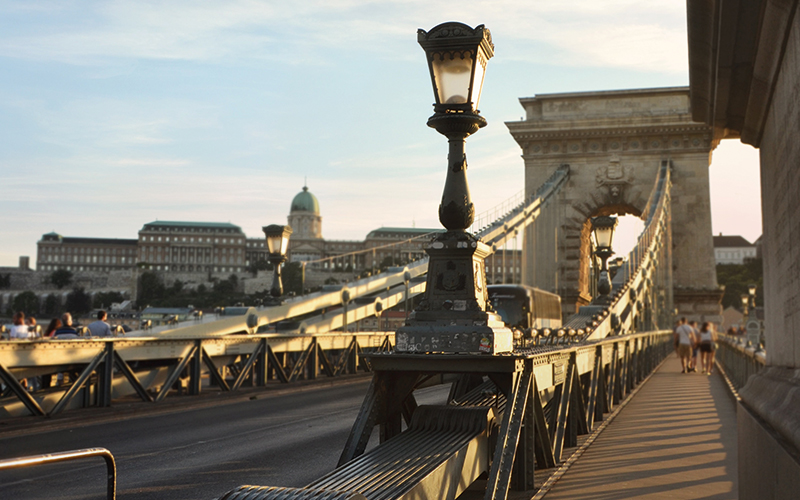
(603, 236)
(745, 300)
(480, 73)
(284, 244)
(274, 243)
(752, 290)
(452, 77)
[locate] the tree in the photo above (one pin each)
(737, 278)
(105, 299)
(61, 278)
(51, 305)
(27, 302)
(259, 265)
(78, 302)
(176, 288)
(226, 287)
(151, 289)
(387, 261)
(292, 277)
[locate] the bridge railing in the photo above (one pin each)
(101, 370)
(535, 403)
(737, 360)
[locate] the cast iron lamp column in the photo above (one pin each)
(753, 325)
(277, 244)
(452, 317)
(603, 233)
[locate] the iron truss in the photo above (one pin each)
(101, 370)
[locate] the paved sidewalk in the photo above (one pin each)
(676, 439)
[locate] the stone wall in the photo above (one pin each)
(745, 72)
(38, 281)
(780, 201)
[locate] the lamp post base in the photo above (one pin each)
(453, 317)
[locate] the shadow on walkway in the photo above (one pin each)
(676, 439)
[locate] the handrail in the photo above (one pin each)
(65, 456)
(738, 360)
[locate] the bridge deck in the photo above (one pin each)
(676, 439)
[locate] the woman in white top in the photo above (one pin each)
(707, 347)
(20, 330)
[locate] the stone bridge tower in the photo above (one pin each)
(614, 143)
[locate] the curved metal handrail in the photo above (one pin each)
(66, 456)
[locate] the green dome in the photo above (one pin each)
(305, 202)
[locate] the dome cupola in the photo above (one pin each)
(304, 201)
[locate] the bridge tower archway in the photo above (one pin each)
(614, 143)
(577, 229)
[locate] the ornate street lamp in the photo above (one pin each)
(452, 317)
(753, 327)
(603, 235)
(277, 245)
(457, 57)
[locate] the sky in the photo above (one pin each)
(118, 113)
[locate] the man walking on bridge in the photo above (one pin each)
(684, 341)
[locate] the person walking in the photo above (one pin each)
(708, 347)
(695, 346)
(684, 340)
(100, 328)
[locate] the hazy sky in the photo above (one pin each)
(114, 114)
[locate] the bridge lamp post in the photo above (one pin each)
(753, 327)
(453, 316)
(457, 57)
(603, 233)
(277, 245)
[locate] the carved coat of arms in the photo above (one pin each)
(614, 176)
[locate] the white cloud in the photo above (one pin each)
(619, 33)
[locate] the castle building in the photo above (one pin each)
(305, 219)
(733, 249)
(192, 250)
(55, 251)
(192, 247)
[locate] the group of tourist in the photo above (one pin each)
(689, 341)
(25, 328)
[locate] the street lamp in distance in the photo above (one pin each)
(603, 234)
(277, 246)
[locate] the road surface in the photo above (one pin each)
(276, 440)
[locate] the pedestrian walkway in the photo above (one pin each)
(676, 439)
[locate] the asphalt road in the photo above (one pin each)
(277, 440)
